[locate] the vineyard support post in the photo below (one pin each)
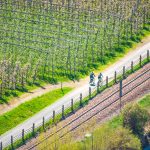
(23, 139)
(63, 115)
(132, 70)
(89, 93)
(43, 123)
(107, 82)
(120, 93)
(72, 109)
(12, 143)
(140, 61)
(53, 116)
(33, 129)
(115, 76)
(124, 72)
(1, 146)
(80, 99)
(148, 55)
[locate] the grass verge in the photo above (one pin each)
(28, 109)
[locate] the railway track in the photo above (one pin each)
(103, 105)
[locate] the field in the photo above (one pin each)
(49, 41)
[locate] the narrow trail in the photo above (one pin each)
(49, 87)
(101, 108)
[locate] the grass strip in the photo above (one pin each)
(28, 109)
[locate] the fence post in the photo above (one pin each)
(132, 70)
(1, 146)
(98, 87)
(53, 116)
(23, 139)
(43, 123)
(80, 99)
(33, 130)
(148, 55)
(12, 143)
(89, 93)
(124, 72)
(140, 61)
(115, 76)
(72, 109)
(63, 116)
(107, 82)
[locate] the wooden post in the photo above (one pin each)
(33, 130)
(148, 55)
(97, 87)
(115, 78)
(1, 146)
(124, 72)
(80, 99)
(43, 123)
(72, 109)
(132, 70)
(63, 116)
(12, 143)
(53, 116)
(23, 139)
(140, 61)
(89, 93)
(107, 82)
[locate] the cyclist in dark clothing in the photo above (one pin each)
(92, 77)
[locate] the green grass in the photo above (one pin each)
(11, 94)
(28, 109)
(145, 102)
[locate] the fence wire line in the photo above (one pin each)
(92, 108)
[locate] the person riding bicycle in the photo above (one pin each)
(92, 76)
(100, 77)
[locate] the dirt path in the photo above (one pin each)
(99, 109)
(40, 91)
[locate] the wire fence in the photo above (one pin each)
(125, 89)
(69, 107)
(116, 101)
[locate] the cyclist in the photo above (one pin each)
(92, 77)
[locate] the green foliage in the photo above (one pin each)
(41, 42)
(28, 109)
(135, 118)
(123, 139)
(104, 138)
(145, 102)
